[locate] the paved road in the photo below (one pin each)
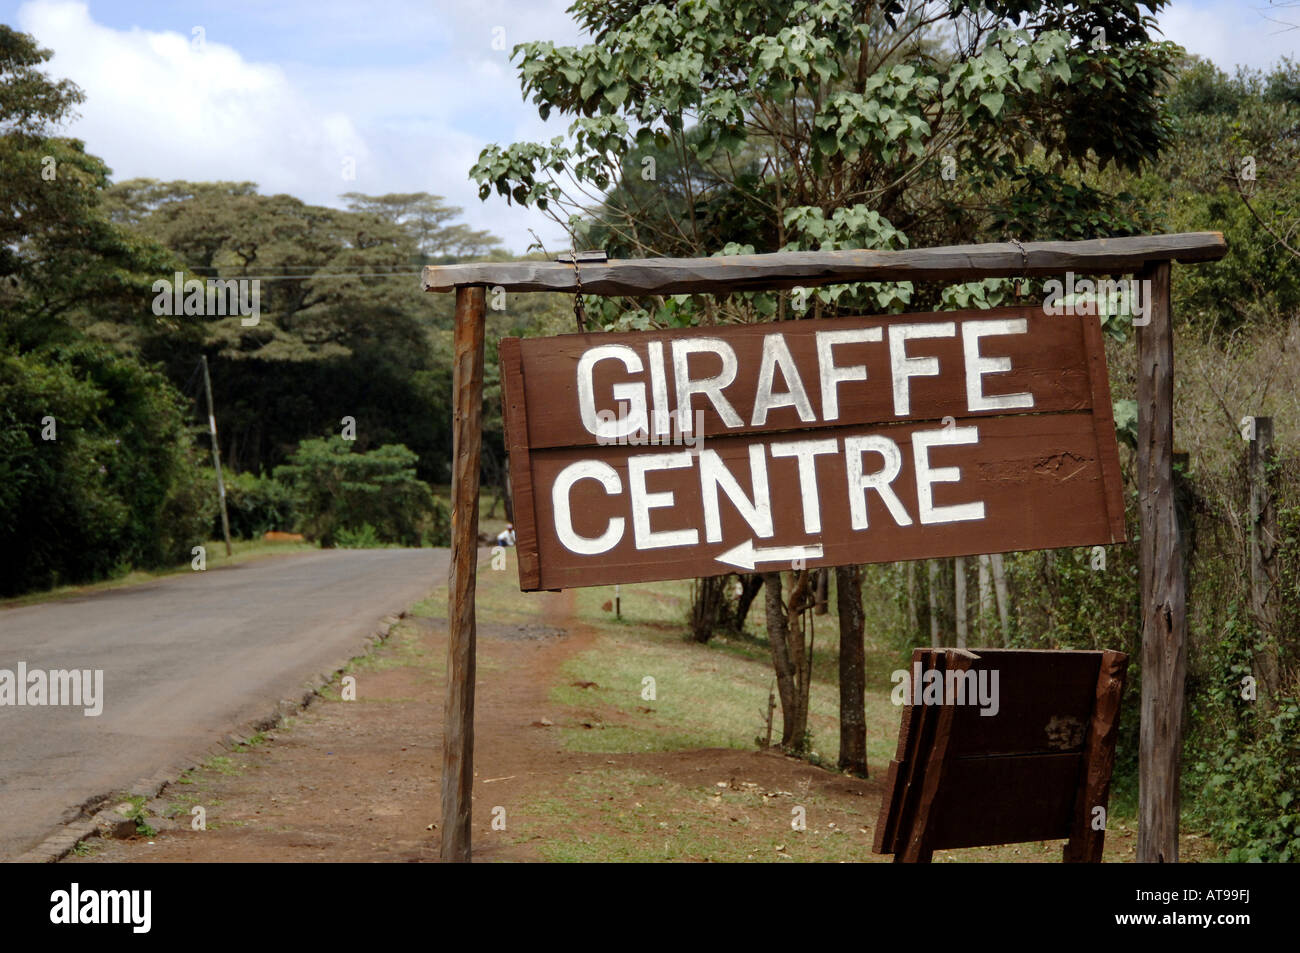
(186, 659)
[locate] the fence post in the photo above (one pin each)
(1263, 561)
(1163, 586)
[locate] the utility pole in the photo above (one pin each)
(216, 457)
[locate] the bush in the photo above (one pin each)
(255, 504)
(438, 530)
(118, 486)
(363, 538)
(1249, 775)
(338, 490)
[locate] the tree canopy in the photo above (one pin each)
(838, 124)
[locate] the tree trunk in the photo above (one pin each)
(932, 593)
(853, 674)
(801, 600)
(820, 606)
(1000, 591)
(913, 610)
(986, 602)
(778, 642)
(959, 598)
(750, 583)
(708, 609)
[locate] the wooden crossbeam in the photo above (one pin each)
(638, 276)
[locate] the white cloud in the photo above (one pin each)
(1234, 34)
(161, 106)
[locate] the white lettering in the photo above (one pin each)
(804, 451)
(879, 481)
(777, 353)
(714, 474)
(832, 375)
(977, 366)
(927, 476)
(631, 392)
(643, 502)
(710, 387)
(904, 368)
(585, 470)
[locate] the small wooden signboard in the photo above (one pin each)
(1002, 746)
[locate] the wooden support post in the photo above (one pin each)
(458, 713)
(1163, 585)
(1263, 563)
(1087, 840)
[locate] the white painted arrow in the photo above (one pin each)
(746, 555)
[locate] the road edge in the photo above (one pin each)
(59, 843)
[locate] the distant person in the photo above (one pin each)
(507, 536)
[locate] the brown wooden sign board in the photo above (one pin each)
(1034, 764)
(696, 452)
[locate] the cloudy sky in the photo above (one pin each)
(290, 94)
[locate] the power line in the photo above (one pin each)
(323, 274)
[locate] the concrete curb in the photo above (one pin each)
(87, 823)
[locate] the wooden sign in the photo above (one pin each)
(671, 454)
(1002, 746)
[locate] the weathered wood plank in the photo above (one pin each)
(1037, 477)
(1163, 585)
(1043, 699)
(920, 828)
(1060, 360)
(1006, 799)
(902, 769)
(637, 276)
(1103, 417)
(467, 436)
(1086, 843)
(962, 779)
(513, 408)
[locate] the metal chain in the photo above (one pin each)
(579, 312)
(1024, 266)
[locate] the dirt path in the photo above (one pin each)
(358, 780)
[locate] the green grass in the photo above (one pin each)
(644, 818)
(707, 696)
(179, 803)
(403, 648)
(250, 742)
(220, 764)
(138, 814)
